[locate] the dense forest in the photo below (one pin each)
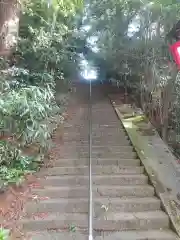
(129, 42)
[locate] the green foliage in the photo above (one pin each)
(132, 42)
(46, 33)
(4, 234)
(45, 57)
(13, 163)
(22, 113)
(112, 21)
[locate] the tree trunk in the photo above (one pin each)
(167, 98)
(9, 24)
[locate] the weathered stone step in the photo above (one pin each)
(104, 140)
(100, 191)
(104, 119)
(80, 205)
(111, 169)
(99, 144)
(98, 180)
(111, 122)
(95, 126)
(112, 221)
(162, 234)
(132, 221)
(54, 235)
(96, 133)
(117, 130)
(85, 137)
(98, 113)
(129, 235)
(103, 124)
(100, 134)
(79, 148)
(95, 162)
(48, 221)
(105, 154)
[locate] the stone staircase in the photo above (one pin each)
(125, 205)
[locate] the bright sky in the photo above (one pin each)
(88, 72)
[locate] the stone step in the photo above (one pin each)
(95, 162)
(80, 205)
(99, 144)
(95, 133)
(100, 140)
(116, 130)
(105, 154)
(112, 222)
(163, 234)
(102, 120)
(96, 148)
(95, 124)
(132, 221)
(110, 114)
(111, 169)
(140, 179)
(102, 124)
(54, 235)
(100, 136)
(100, 191)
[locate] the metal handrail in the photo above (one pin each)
(90, 166)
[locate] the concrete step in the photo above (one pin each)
(99, 144)
(96, 125)
(105, 154)
(140, 179)
(163, 234)
(111, 155)
(54, 235)
(96, 133)
(111, 169)
(95, 136)
(132, 221)
(110, 222)
(129, 235)
(81, 148)
(95, 162)
(53, 221)
(98, 141)
(100, 191)
(115, 130)
(131, 191)
(104, 122)
(80, 205)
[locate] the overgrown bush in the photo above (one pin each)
(28, 96)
